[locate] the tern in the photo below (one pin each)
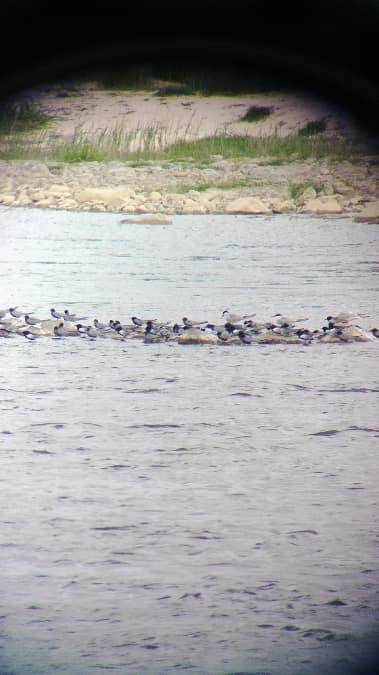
(16, 313)
(55, 314)
(59, 330)
(235, 318)
(100, 325)
(73, 317)
(31, 320)
(28, 335)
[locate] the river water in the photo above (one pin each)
(200, 509)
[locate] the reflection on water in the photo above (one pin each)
(170, 508)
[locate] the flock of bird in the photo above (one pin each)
(231, 328)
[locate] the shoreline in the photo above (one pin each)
(246, 186)
(263, 185)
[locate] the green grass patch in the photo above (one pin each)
(286, 149)
(231, 184)
(157, 143)
(80, 152)
(256, 113)
(272, 161)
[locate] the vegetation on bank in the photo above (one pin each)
(186, 79)
(21, 116)
(161, 144)
(229, 184)
(24, 132)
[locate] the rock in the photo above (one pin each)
(192, 206)
(282, 205)
(23, 199)
(112, 198)
(344, 189)
(68, 204)
(7, 199)
(58, 190)
(328, 190)
(155, 196)
(369, 214)
(309, 193)
(247, 205)
(44, 204)
(155, 219)
(193, 336)
(322, 205)
(38, 196)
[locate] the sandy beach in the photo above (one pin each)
(222, 185)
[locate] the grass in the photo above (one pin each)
(156, 143)
(84, 152)
(230, 184)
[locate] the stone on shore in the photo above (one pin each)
(369, 214)
(112, 198)
(153, 219)
(322, 205)
(194, 336)
(247, 205)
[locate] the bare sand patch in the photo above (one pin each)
(93, 111)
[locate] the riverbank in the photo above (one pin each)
(224, 186)
(221, 184)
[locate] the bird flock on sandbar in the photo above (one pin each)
(230, 328)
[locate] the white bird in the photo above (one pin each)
(31, 320)
(55, 314)
(235, 318)
(16, 313)
(98, 324)
(73, 317)
(190, 323)
(343, 319)
(81, 329)
(285, 321)
(92, 332)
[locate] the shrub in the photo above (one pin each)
(312, 128)
(256, 113)
(21, 115)
(173, 89)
